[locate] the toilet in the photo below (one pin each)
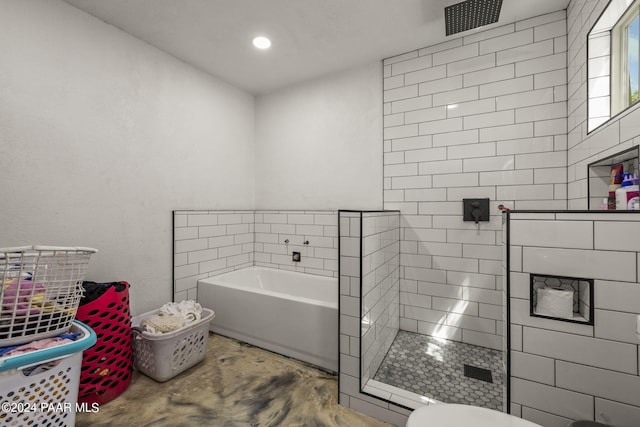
(454, 415)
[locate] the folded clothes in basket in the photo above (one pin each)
(38, 345)
(189, 310)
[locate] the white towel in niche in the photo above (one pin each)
(554, 302)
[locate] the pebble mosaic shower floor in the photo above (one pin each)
(435, 368)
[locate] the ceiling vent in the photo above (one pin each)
(471, 14)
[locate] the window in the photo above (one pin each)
(613, 69)
(625, 60)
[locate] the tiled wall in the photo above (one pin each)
(208, 243)
(564, 371)
(481, 116)
(351, 224)
(380, 288)
(319, 228)
(618, 134)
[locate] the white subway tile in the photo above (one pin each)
(455, 264)
(483, 339)
(550, 79)
(424, 314)
(615, 413)
(486, 120)
(393, 82)
(486, 164)
(525, 99)
(525, 192)
(617, 326)
(441, 46)
(190, 245)
(550, 30)
(410, 182)
(599, 382)
(440, 126)
(619, 296)
(472, 64)
(493, 33)
(401, 131)
(522, 130)
(525, 145)
(394, 120)
(581, 349)
(550, 175)
(523, 53)
(455, 96)
(411, 65)
(485, 281)
(275, 218)
(179, 220)
(440, 85)
(400, 93)
(203, 219)
(459, 193)
(455, 180)
(472, 107)
(425, 75)
(425, 275)
(439, 330)
(410, 104)
(605, 265)
(541, 160)
(471, 322)
(472, 150)
(230, 218)
(455, 54)
(616, 235)
(540, 65)
(556, 110)
(489, 75)
(560, 15)
(414, 143)
(533, 368)
(505, 87)
(517, 177)
(488, 296)
(572, 405)
(425, 115)
(544, 418)
(557, 234)
(401, 170)
(423, 195)
(507, 41)
(482, 252)
(456, 138)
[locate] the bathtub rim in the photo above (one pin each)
(214, 280)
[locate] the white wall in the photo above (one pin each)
(102, 136)
(318, 144)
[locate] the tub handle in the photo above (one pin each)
(286, 241)
(306, 242)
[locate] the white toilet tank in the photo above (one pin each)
(454, 415)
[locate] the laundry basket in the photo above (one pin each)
(163, 356)
(41, 388)
(41, 290)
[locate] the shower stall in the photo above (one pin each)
(403, 338)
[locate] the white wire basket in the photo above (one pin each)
(41, 291)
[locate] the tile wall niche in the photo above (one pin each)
(481, 116)
(618, 134)
(208, 243)
(369, 267)
(563, 371)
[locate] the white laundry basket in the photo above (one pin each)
(41, 388)
(163, 356)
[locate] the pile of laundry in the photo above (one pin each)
(171, 317)
(38, 344)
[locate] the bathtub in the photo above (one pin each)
(290, 313)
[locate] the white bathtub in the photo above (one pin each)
(291, 313)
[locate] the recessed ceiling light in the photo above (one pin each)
(262, 42)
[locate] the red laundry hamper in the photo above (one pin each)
(107, 366)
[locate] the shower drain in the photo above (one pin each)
(478, 373)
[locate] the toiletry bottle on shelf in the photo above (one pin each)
(604, 205)
(627, 195)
